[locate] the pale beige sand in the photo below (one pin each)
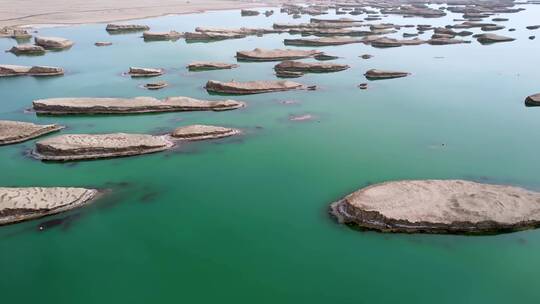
(32, 12)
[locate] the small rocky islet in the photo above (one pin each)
(12, 132)
(201, 132)
(162, 36)
(41, 46)
(207, 65)
(27, 49)
(533, 100)
(73, 147)
(251, 87)
(144, 72)
(21, 204)
(310, 67)
(274, 55)
(156, 85)
(18, 70)
(93, 105)
(327, 41)
(439, 206)
(116, 28)
(68, 147)
(374, 74)
(53, 43)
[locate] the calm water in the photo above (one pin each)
(244, 220)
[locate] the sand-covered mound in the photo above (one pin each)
(17, 131)
(440, 206)
(20, 204)
(92, 146)
(91, 105)
(251, 87)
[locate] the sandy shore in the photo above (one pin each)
(30, 12)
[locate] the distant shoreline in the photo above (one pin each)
(118, 11)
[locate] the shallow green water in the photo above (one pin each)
(244, 220)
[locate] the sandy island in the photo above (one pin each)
(17, 12)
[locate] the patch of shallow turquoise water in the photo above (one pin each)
(244, 219)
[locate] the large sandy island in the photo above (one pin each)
(28, 12)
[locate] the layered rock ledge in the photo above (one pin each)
(89, 105)
(124, 28)
(493, 38)
(251, 87)
(446, 41)
(17, 131)
(200, 132)
(274, 55)
(144, 72)
(53, 43)
(211, 36)
(242, 31)
(325, 57)
(380, 74)
(15, 33)
(103, 43)
(27, 49)
(321, 41)
(19, 70)
(206, 65)
(247, 12)
(533, 100)
(21, 204)
(309, 67)
(156, 85)
(93, 146)
(385, 42)
(440, 206)
(162, 36)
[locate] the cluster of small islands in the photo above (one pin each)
(411, 206)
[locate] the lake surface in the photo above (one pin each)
(244, 220)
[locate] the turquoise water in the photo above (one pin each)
(244, 219)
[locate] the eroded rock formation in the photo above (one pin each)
(27, 49)
(92, 146)
(274, 55)
(207, 65)
(125, 28)
(321, 41)
(440, 206)
(18, 131)
(533, 100)
(251, 87)
(144, 72)
(309, 67)
(199, 132)
(162, 36)
(21, 204)
(53, 43)
(380, 74)
(493, 38)
(89, 105)
(18, 70)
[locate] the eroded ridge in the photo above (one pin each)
(440, 206)
(90, 105)
(69, 147)
(251, 87)
(20, 204)
(12, 132)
